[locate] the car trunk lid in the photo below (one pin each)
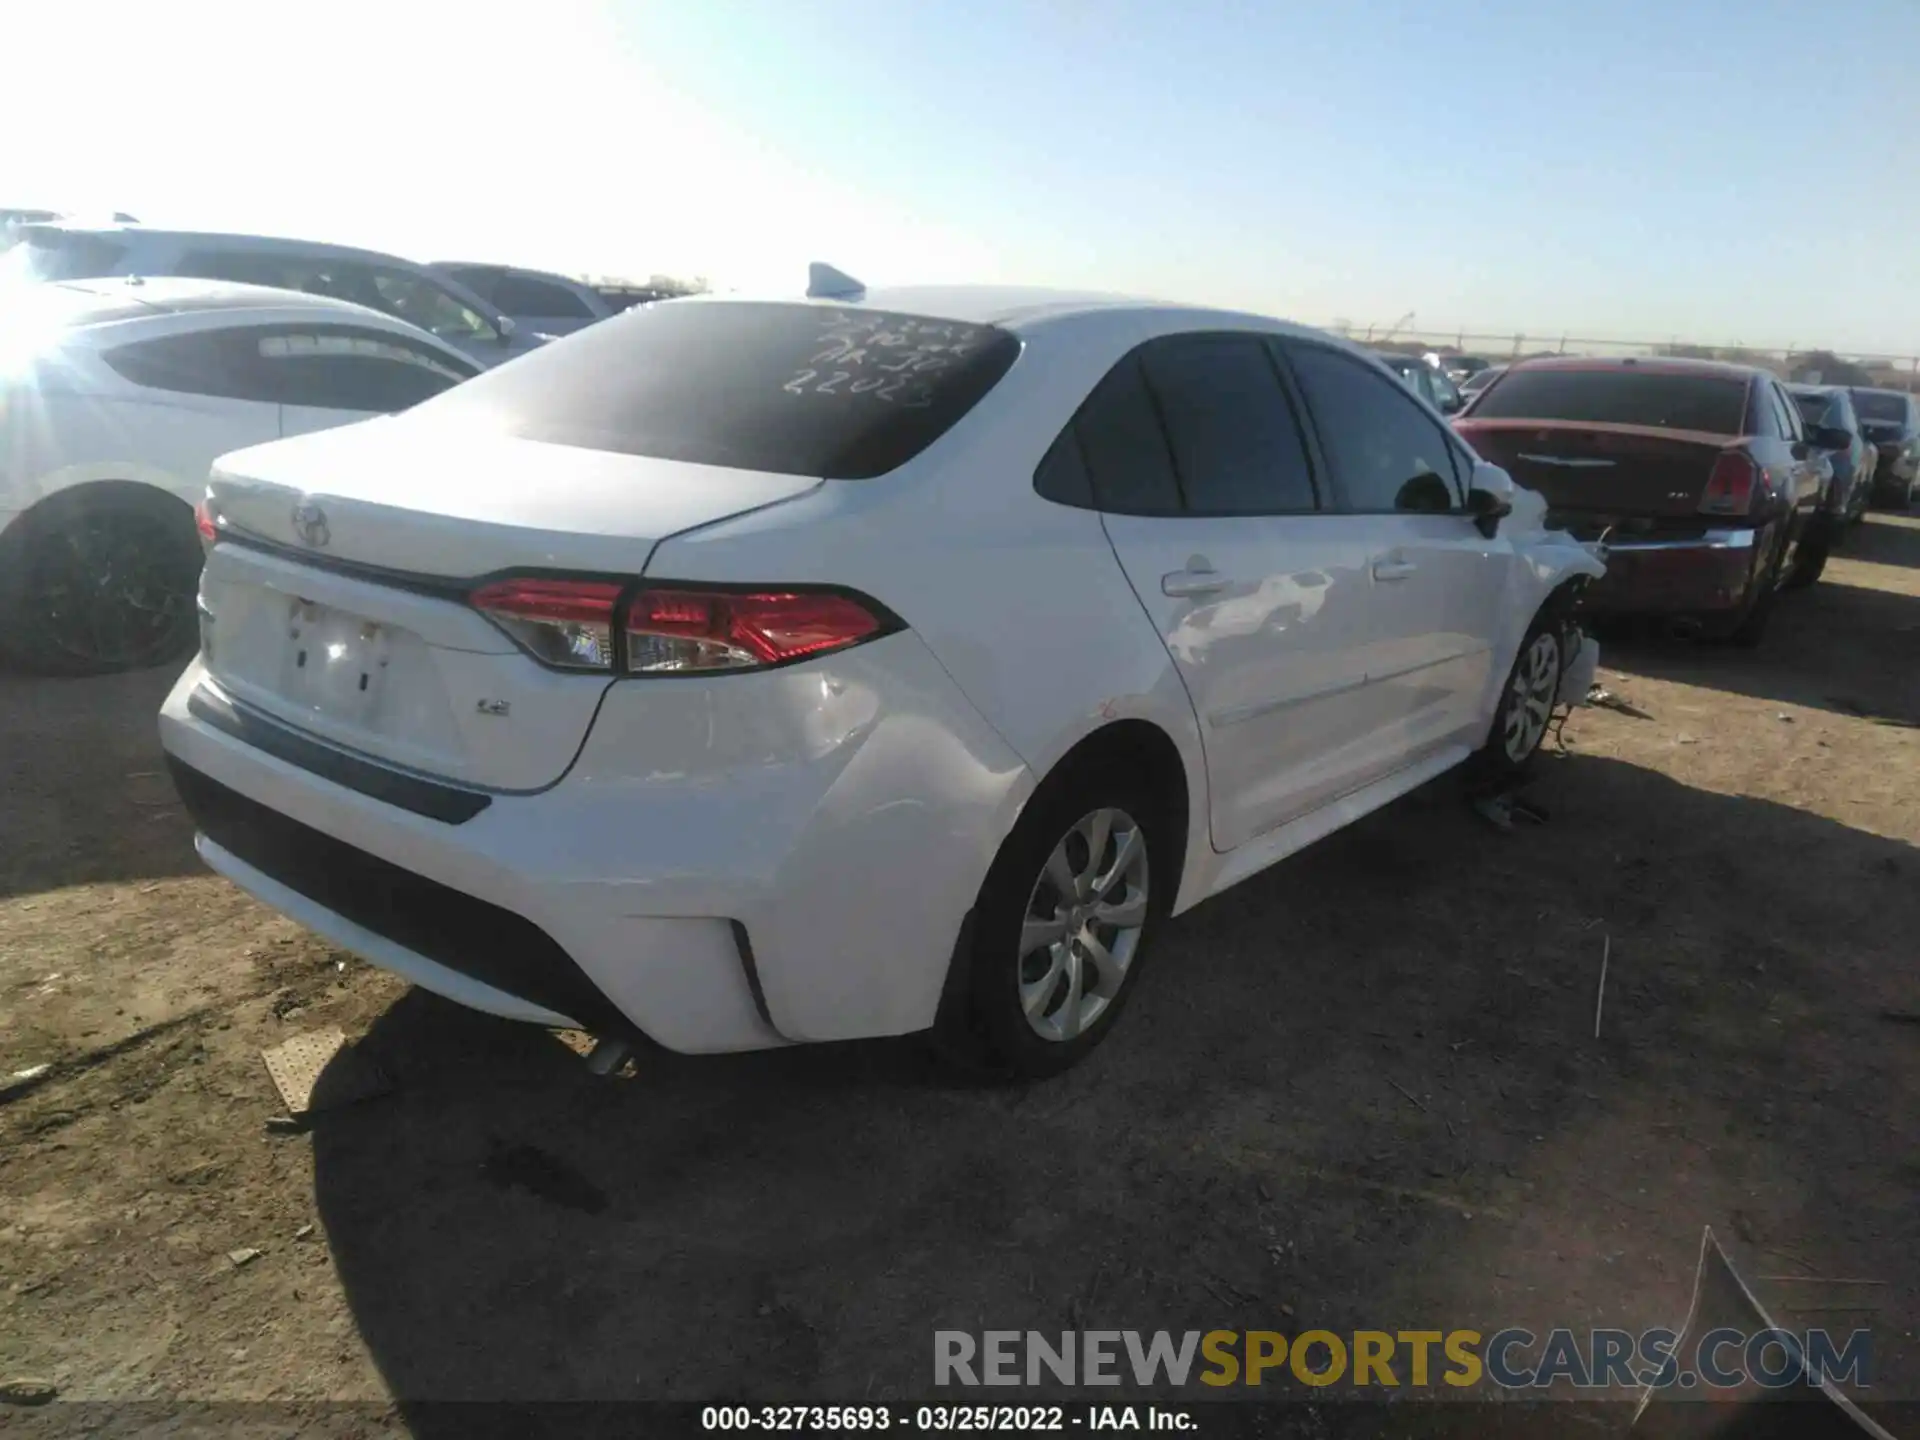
(1588, 470)
(337, 598)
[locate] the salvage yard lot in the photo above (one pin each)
(1361, 1090)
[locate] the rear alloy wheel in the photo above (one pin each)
(105, 583)
(1751, 628)
(1085, 917)
(1810, 560)
(1063, 924)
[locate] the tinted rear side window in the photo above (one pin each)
(837, 391)
(1236, 445)
(353, 370)
(1123, 446)
(224, 363)
(519, 295)
(1713, 403)
(337, 369)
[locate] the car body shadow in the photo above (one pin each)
(1884, 539)
(1850, 649)
(795, 1225)
(86, 797)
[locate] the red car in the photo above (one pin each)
(1703, 479)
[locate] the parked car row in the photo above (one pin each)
(1713, 486)
(136, 355)
(594, 689)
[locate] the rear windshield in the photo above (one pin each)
(61, 257)
(837, 391)
(1713, 403)
(1880, 405)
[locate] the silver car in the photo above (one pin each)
(440, 306)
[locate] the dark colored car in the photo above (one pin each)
(1830, 407)
(1891, 422)
(1429, 384)
(1480, 380)
(1702, 477)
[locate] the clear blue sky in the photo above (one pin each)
(1721, 170)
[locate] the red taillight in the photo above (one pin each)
(1731, 486)
(203, 522)
(567, 623)
(679, 631)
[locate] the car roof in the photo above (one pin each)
(497, 268)
(1646, 364)
(77, 303)
(263, 243)
(1023, 308)
(1876, 390)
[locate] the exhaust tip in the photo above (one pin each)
(608, 1056)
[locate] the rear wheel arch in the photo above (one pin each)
(1136, 746)
(173, 532)
(1139, 755)
(105, 492)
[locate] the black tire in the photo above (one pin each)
(1810, 560)
(1523, 705)
(100, 579)
(1751, 628)
(988, 1032)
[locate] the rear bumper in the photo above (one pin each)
(718, 871)
(1709, 574)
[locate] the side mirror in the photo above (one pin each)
(507, 327)
(1491, 498)
(1451, 404)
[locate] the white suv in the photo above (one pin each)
(736, 673)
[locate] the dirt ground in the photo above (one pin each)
(1361, 1090)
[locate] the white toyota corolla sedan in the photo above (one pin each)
(740, 673)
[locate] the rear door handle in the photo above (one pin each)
(1393, 569)
(1182, 584)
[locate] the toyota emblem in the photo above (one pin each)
(310, 524)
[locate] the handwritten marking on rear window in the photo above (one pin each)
(891, 358)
